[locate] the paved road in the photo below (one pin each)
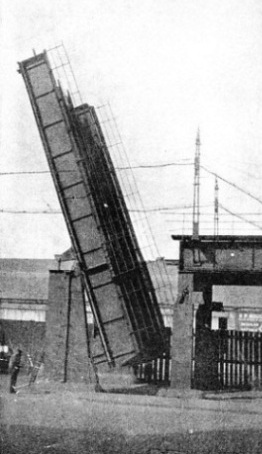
(68, 421)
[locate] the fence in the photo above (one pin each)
(155, 371)
(239, 359)
(227, 360)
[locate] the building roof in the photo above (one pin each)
(28, 279)
(164, 275)
(66, 261)
(26, 265)
(219, 238)
(68, 255)
(25, 279)
(238, 296)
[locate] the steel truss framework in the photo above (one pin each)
(114, 273)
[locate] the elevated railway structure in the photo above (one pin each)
(203, 358)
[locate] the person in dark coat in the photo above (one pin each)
(14, 367)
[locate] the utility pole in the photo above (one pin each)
(196, 202)
(216, 213)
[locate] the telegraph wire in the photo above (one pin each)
(145, 166)
(241, 217)
(206, 213)
(211, 222)
(158, 209)
(155, 166)
(232, 184)
(161, 210)
(26, 172)
(30, 211)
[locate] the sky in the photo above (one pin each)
(167, 69)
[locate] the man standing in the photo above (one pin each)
(14, 367)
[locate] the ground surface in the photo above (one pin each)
(65, 419)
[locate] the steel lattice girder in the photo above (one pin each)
(115, 275)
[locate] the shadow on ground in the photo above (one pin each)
(40, 440)
(145, 390)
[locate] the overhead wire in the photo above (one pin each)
(155, 209)
(8, 211)
(155, 166)
(234, 185)
(241, 217)
(142, 166)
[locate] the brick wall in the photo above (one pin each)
(182, 335)
(66, 353)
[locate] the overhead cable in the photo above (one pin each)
(29, 211)
(240, 217)
(233, 185)
(155, 166)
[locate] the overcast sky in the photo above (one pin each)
(167, 68)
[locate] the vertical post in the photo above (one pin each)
(256, 340)
(216, 207)
(196, 201)
(182, 334)
(67, 326)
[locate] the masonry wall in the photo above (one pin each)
(182, 334)
(78, 349)
(56, 323)
(66, 344)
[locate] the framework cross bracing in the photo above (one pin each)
(114, 272)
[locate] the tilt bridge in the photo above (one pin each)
(113, 272)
